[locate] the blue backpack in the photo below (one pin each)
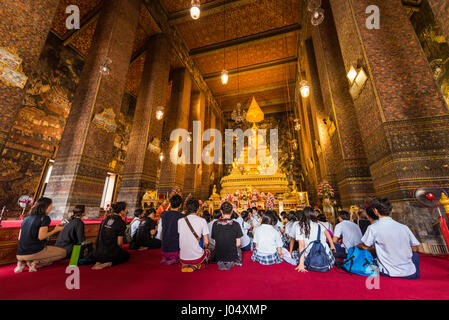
(317, 260)
(360, 262)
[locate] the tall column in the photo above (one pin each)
(172, 175)
(352, 172)
(207, 170)
(403, 117)
(192, 181)
(440, 9)
(85, 150)
(142, 160)
(24, 26)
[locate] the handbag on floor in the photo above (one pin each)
(361, 262)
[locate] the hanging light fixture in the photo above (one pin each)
(105, 68)
(317, 17)
(238, 115)
(297, 125)
(224, 73)
(160, 113)
(195, 11)
(224, 77)
(161, 157)
(304, 88)
(313, 5)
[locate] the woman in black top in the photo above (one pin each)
(109, 247)
(73, 233)
(33, 250)
(147, 231)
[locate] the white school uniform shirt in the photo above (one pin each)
(159, 230)
(300, 235)
(327, 225)
(256, 221)
(245, 226)
(291, 231)
(210, 225)
(279, 225)
(189, 247)
(393, 242)
(268, 239)
(134, 226)
(352, 235)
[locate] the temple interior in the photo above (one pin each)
(88, 110)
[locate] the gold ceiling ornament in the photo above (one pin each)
(254, 113)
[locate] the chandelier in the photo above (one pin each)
(314, 7)
(238, 115)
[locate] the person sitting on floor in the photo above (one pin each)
(226, 233)
(169, 231)
(109, 246)
(215, 216)
(268, 242)
(358, 217)
(349, 231)
(206, 215)
(73, 233)
(306, 232)
(33, 250)
(395, 244)
(146, 232)
(246, 242)
(291, 233)
(192, 229)
(138, 215)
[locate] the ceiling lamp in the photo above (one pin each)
(105, 68)
(313, 5)
(195, 9)
(161, 157)
(238, 115)
(160, 113)
(254, 114)
(224, 76)
(317, 17)
(304, 89)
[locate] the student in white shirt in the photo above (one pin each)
(243, 220)
(191, 229)
(268, 242)
(307, 232)
(395, 244)
(347, 231)
(291, 231)
(138, 215)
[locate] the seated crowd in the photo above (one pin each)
(194, 239)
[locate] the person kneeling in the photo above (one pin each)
(147, 231)
(226, 233)
(192, 229)
(109, 247)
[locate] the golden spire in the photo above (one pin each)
(254, 114)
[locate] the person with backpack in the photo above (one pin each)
(313, 254)
(395, 245)
(193, 239)
(132, 227)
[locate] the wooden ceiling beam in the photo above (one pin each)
(255, 67)
(270, 34)
(269, 87)
(209, 8)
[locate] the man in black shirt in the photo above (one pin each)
(170, 235)
(227, 234)
(108, 250)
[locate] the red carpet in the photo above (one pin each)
(143, 278)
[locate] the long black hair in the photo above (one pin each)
(304, 221)
(41, 206)
(118, 207)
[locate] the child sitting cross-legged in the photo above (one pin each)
(192, 229)
(268, 242)
(226, 233)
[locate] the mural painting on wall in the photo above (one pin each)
(39, 124)
(434, 45)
